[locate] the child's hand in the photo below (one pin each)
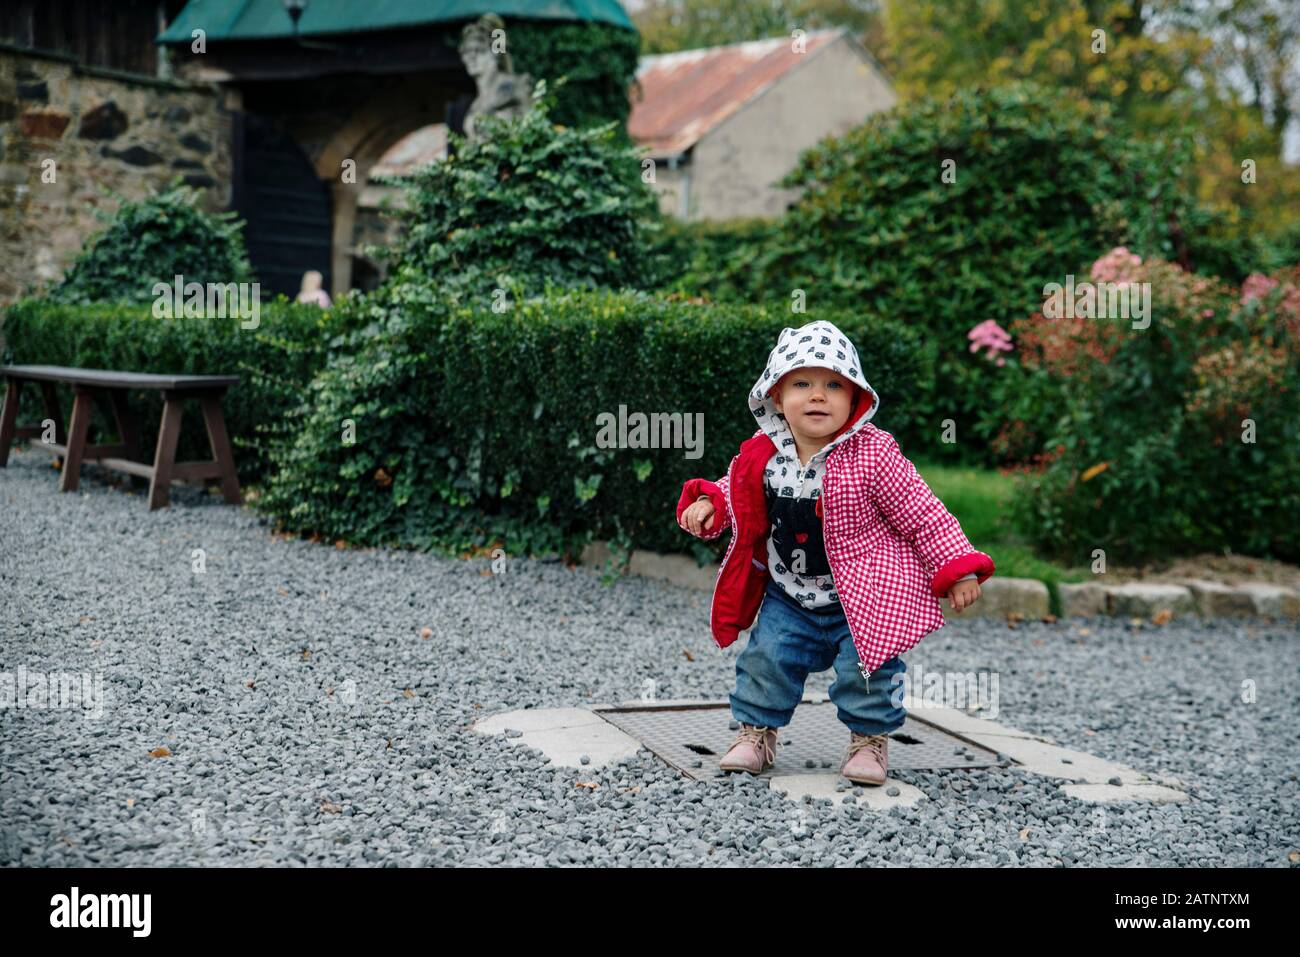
(697, 516)
(963, 594)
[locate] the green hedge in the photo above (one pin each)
(1040, 185)
(276, 361)
(529, 203)
(473, 426)
(597, 61)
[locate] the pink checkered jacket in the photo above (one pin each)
(893, 548)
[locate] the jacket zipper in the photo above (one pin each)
(735, 534)
(826, 517)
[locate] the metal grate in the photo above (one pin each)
(684, 735)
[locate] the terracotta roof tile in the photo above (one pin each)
(687, 94)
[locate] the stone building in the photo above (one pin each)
(84, 112)
(281, 120)
(724, 124)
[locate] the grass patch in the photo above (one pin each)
(980, 499)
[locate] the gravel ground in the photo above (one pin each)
(310, 719)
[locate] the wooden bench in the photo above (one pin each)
(125, 454)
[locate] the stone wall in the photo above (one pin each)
(103, 130)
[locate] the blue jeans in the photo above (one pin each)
(789, 643)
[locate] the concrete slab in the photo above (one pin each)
(957, 722)
(565, 735)
(1109, 793)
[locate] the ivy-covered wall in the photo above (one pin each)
(599, 60)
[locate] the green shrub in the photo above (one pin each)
(275, 361)
(710, 259)
(473, 426)
(530, 204)
(597, 61)
(1174, 439)
(153, 240)
(1040, 184)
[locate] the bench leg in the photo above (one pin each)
(165, 454)
(216, 423)
(82, 405)
(9, 420)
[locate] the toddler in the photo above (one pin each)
(839, 539)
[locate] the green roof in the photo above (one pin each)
(266, 19)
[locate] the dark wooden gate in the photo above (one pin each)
(286, 207)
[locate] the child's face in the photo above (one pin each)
(815, 402)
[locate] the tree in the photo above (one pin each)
(670, 25)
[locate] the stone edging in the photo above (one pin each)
(1028, 598)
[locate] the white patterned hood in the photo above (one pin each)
(815, 344)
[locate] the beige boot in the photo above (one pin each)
(754, 750)
(868, 759)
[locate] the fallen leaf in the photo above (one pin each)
(1085, 631)
(1048, 619)
(426, 632)
(330, 808)
(282, 590)
(250, 683)
(478, 706)
(306, 653)
(340, 543)
(382, 478)
(130, 802)
(1094, 471)
(160, 752)
(1024, 833)
(1146, 657)
(1089, 732)
(409, 694)
(1162, 617)
(590, 785)
(1293, 856)
(689, 656)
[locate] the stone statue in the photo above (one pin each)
(501, 91)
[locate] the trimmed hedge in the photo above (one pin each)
(276, 361)
(473, 426)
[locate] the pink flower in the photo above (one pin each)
(1257, 286)
(989, 335)
(1115, 265)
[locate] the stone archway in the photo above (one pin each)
(364, 137)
